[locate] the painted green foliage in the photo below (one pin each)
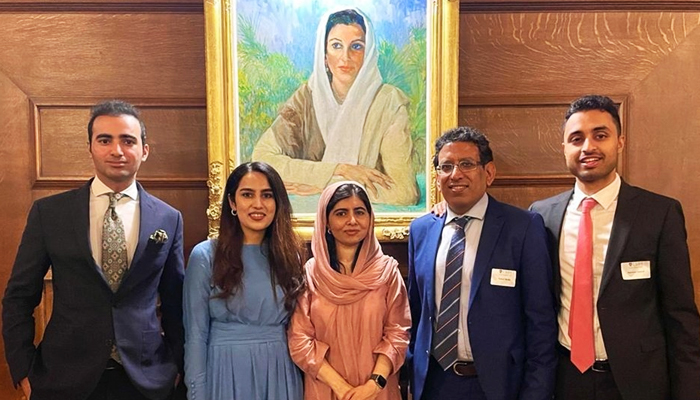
(266, 80)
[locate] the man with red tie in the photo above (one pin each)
(628, 324)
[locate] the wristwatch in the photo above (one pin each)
(379, 380)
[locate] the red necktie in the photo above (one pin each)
(581, 314)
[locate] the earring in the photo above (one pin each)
(328, 231)
(234, 213)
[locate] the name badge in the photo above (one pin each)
(503, 277)
(636, 270)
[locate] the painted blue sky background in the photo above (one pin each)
(289, 26)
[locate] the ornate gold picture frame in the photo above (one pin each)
(224, 116)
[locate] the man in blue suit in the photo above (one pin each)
(114, 252)
(484, 324)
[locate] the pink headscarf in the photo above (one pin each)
(372, 269)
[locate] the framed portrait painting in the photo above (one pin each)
(325, 91)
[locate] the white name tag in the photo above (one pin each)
(503, 277)
(636, 270)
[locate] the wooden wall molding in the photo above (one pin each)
(541, 180)
(148, 183)
(138, 7)
(477, 6)
(69, 182)
(141, 103)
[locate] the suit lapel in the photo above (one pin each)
(81, 210)
(492, 225)
(625, 215)
(553, 219)
(433, 235)
(147, 225)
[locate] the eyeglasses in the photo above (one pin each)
(464, 166)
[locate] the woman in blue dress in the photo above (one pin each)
(238, 294)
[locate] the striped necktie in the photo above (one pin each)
(445, 338)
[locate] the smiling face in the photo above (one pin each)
(349, 221)
(254, 202)
(592, 145)
(460, 189)
(117, 150)
(345, 53)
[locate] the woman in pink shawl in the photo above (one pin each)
(349, 331)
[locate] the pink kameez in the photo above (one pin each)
(349, 320)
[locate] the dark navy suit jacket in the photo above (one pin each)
(650, 327)
(87, 318)
(512, 330)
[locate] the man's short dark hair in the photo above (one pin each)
(468, 135)
(115, 108)
(595, 102)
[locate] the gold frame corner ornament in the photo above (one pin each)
(220, 23)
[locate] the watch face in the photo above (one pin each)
(381, 381)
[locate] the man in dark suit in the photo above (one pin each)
(479, 285)
(624, 261)
(114, 252)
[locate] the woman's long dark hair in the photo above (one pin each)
(286, 251)
(343, 192)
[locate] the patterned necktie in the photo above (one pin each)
(114, 256)
(445, 338)
(581, 313)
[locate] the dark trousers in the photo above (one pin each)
(590, 385)
(115, 385)
(446, 385)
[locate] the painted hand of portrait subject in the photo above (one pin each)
(302, 189)
(367, 391)
(26, 387)
(439, 208)
(368, 177)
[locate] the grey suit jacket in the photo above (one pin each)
(87, 318)
(650, 327)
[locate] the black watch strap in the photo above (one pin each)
(379, 380)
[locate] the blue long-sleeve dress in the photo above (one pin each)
(236, 348)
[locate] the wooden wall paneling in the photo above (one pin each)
(665, 124)
(102, 55)
(565, 54)
(650, 59)
(525, 137)
(523, 196)
(178, 155)
(15, 188)
(467, 6)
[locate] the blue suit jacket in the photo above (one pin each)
(512, 331)
(87, 318)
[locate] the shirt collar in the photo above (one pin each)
(98, 188)
(478, 210)
(605, 196)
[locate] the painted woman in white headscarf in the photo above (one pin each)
(344, 123)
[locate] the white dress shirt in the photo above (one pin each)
(602, 216)
(472, 235)
(128, 210)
